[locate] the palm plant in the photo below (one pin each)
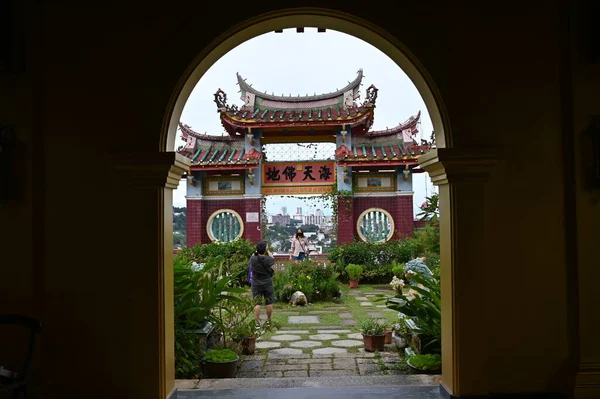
(197, 295)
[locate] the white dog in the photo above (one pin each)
(298, 299)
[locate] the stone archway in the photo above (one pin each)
(464, 373)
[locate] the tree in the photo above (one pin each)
(430, 209)
(311, 228)
(179, 226)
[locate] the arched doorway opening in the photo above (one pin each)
(311, 18)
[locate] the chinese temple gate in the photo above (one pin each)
(230, 174)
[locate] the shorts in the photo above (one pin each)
(301, 256)
(266, 292)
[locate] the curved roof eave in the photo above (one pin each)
(187, 130)
(350, 86)
(410, 123)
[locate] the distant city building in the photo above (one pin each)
(280, 220)
(298, 215)
(317, 218)
(284, 210)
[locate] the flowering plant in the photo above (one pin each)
(397, 284)
(430, 209)
(414, 267)
(422, 303)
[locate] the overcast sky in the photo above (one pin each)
(307, 63)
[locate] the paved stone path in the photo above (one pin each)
(317, 350)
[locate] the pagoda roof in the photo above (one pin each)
(239, 119)
(261, 110)
(216, 152)
(410, 124)
(376, 154)
(297, 102)
(207, 139)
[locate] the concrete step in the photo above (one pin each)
(360, 392)
(309, 382)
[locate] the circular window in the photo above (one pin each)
(225, 225)
(375, 225)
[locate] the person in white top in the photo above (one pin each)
(299, 250)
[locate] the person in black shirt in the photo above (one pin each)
(262, 262)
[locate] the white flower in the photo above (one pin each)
(397, 284)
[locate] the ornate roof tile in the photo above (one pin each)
(409, 125)
(247, 88)
(216, 152)
(395, 154)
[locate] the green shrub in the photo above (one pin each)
(188, 354)
(221, 355)
(317, 281)
(234, 257)
(375, 258)
(432, 261)
(428, 238)
(354, 271)
(397, 269)
(425, 362)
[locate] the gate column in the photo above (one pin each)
(461, 176)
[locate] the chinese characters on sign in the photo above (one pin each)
(294, 174)
(282, 190)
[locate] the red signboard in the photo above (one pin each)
(298, 173)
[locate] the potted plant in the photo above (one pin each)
(354, 274)
(424, 364)
(220, 363)
(422, 307)
(388, 336)
(247, 333)
(402, 333)
(373, 334)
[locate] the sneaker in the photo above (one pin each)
(268, 323)
(257, 325)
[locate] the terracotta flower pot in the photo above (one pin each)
(388, 336)
(248, 345)
(353, 283)
(374, 342)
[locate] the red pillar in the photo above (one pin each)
(346, 222)
(403, 218)
(193, 221)
(252, 229)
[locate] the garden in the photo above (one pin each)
(378, 301)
